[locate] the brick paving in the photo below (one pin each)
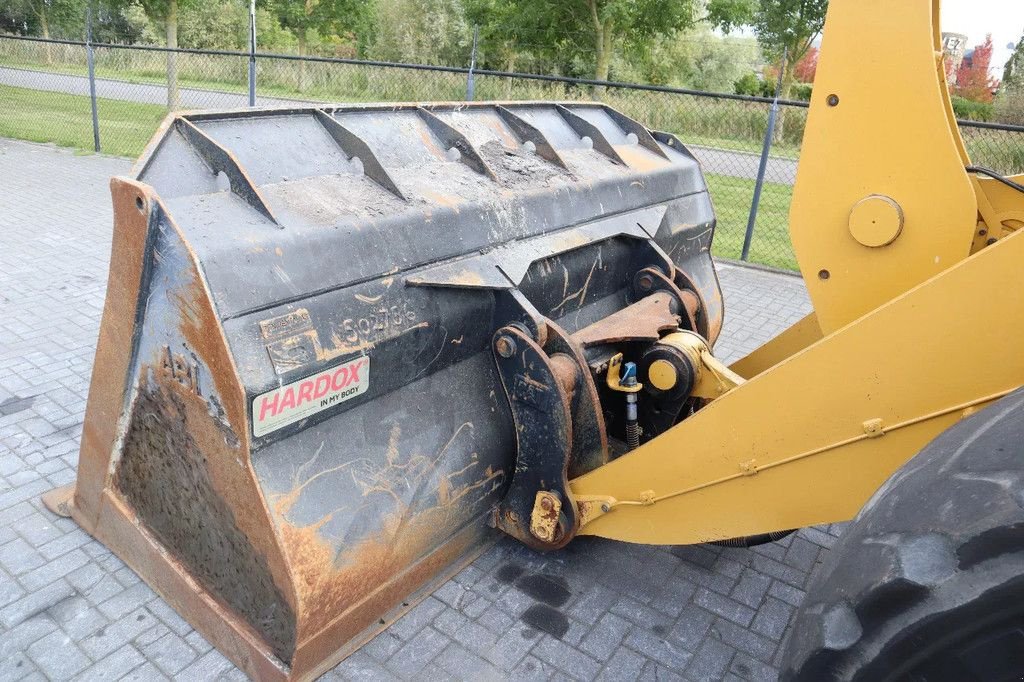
(69, 609)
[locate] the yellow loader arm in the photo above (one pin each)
(913, 266)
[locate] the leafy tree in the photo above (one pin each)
(807, 68)
(789, 26)
(1013, 74)
(589, 30)
(696, 59)
(973, 80)
(318, 19)
(224, 25)
(749, 84)
(1009, 106)
(64, 18)
(165, 13)
(117, 21)
(421, 31)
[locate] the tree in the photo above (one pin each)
(224, 25)
(420, 31)
(311, 19)
(807, 68)
(115, 21)
(696, 59)
(1010, 103)
(1013, 73)
(973, 80)
(65, 17)
(789, 26)
(166, 12)
(591, 30)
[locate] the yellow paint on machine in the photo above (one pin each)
(907, 323)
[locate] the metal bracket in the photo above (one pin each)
(541, 409)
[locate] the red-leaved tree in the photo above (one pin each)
(807, 67)
(973, 80)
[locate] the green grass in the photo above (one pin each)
(732, 198)
(66, 120)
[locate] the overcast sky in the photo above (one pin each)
(1004, 19)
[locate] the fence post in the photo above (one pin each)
(252, 53)
(90, 63)
(773, 116)
(470, 85)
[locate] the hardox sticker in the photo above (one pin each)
(303, 398)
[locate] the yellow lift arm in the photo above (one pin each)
(913, 265)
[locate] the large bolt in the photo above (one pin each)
(545, 503)
(505, 346)
(645, 282)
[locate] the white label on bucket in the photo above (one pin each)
(303, 398)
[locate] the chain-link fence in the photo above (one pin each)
(45, 96)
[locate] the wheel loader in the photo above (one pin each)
(346, 348)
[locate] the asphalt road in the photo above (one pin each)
(717, 161)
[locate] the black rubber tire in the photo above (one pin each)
(927, 583)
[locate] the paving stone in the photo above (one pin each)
(360, 666)
(655, 672)
(170, 653)
(641, 614)
(495, 620)
(38, 529)
(114, 666)
(10, 590)
(660, 648)
(464, 664)
(773, 618)
(17, 667)
(417, 618)
(77, 617)
(169, 617)
(787, 593)
(692, 627)
(711, 660)
(383, 646)
(18, 557)
(449, 621)
(417, 652)
(126, 600)
(743, 639)
(509, 650)
(57, 656)
(475, 637)
(532, 669)
(746, 668)
(723, 606)
(20, 637)
(566, 658)
(624, 664)
(197, 641)
(111, 637)
(604, 637)
(34, 603)
(147, 672)
(64, 544)
(53, 570)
